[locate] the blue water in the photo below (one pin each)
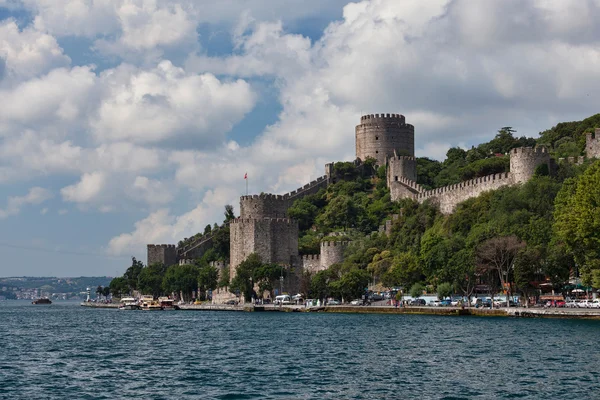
(64, 351)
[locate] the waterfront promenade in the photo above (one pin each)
(519, 312)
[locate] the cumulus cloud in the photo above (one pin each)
(149, 106)
(88, 188)
(14, 204)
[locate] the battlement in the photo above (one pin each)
(251, 220)
(411, 184)
(384, 118)
(530, 150)
(334, 244)
(311, 257)
(505, 176)
(166, 246)
(262, 196)
(322, 180)
(572, 160)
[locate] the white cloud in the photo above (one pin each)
(36, 195)
(27, 53)
(164, 103)
(86, 190)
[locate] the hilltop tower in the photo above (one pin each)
(332, 253)
(380, 135)
(592, 144)
(524, 161)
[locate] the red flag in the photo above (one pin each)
(246, 175)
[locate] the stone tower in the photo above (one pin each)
(592, 144)
(401, 166)
(332, 253)
(524, 161)
(165, 254)
(379, 135)
(263, 228)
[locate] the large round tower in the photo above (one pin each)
(378, 135)
(525, 160)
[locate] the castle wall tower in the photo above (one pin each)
(332, 253)
(275, 240)
(162, 253)
(592, 144)
(524, 161)
(402, 166)
(263, 206)
(378, 135)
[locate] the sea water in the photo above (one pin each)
(64, 351)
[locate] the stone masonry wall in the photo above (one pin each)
(401, 167)
(275, 240)
(378, 135)
(449, 197)
(592, 144)
(312, 263)
(332, 253)
(525, 160)
(162, 253)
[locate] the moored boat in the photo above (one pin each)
(167, 304)
(149, 304)
(129, 303)
(41, 301)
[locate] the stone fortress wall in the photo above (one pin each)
(379, 135)
(162, 253)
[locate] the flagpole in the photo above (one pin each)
(246, 185)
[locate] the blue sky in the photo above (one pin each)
(128, 122)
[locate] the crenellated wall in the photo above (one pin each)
(448, 197)
(312, 263)
(379, 135)
(592, 144)
(275, 240)
(165, 254)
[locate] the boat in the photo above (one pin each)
(129, 303)
(167, 304)
(149, 304)
(41, 301)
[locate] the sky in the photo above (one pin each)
(128, 122)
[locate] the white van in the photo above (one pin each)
(283, 299)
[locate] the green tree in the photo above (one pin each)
(106, 291)
(181, 279)
(224, 278)
(208, 278)
(150, 279)
(207, 229)
(132, 273)
(444, 289)
(243, 281)
(229, 214)
(119, 287)
(416, 290)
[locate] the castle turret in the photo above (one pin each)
(379, 135)
(592, 144)
(401, 167)
(165, 254)
(332, 253)
(525, 160)
(263, 206)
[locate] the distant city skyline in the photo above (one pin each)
(127, 123)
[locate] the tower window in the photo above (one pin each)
(395, 178)
(376, 137)
(376, 151)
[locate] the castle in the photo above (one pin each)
(265, 228)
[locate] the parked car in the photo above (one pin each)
(584, 303)
(446, 302)
(333, 302)
(356, 302)
(435, 303)
(571, 304)
(418, 302)
(375, 297)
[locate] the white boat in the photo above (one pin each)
(167, 304)
(129, 303)
(149, 304)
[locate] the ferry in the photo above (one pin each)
(129, 303)
(149, 304)
(167, 304)
(41, 301)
